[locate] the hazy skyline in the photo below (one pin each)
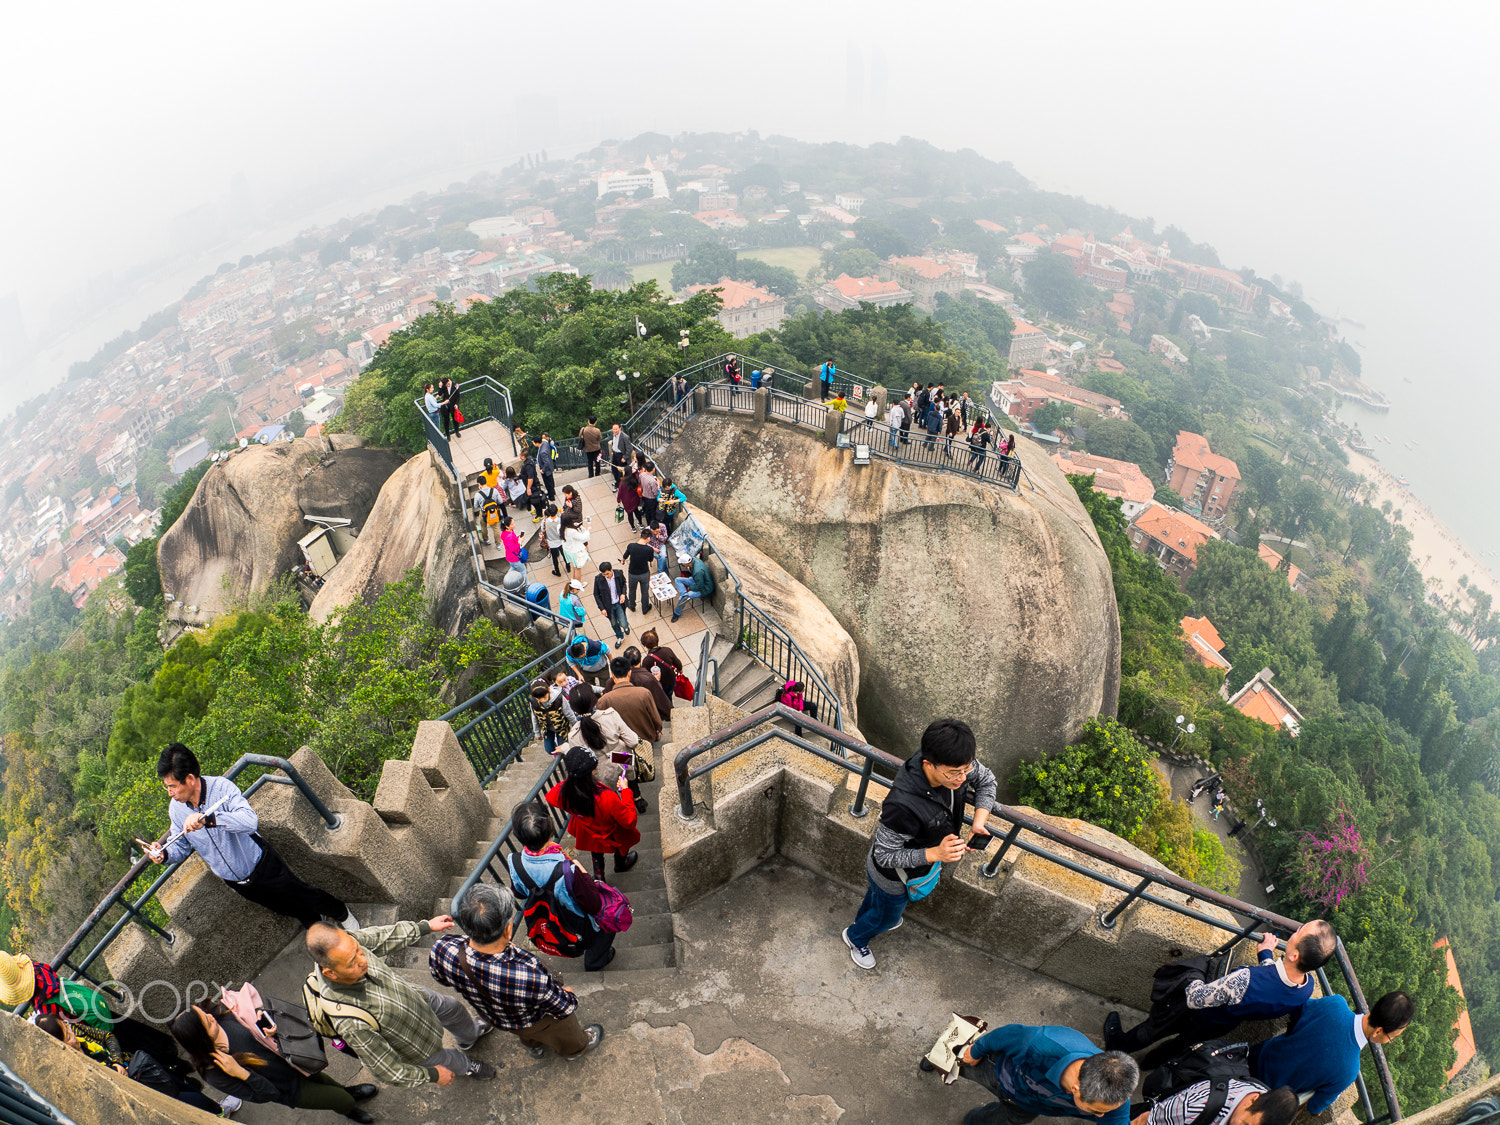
(1344, 146)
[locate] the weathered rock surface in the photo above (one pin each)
(963, 599)
(797, 610)
(415, 522)
(246, 516)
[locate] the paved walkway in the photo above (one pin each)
(484, 439)
(767, 1020)
(1252, 889)
(608, 542)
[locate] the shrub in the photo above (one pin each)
(1104, 778)
(1169, 835)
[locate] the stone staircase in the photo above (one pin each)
(649, 946)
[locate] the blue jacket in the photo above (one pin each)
(1319, 1056)
(1029, 1062)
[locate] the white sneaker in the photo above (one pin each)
(859, 954)
(896, 927)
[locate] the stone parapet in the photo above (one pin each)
(777, 798)
(402, 848)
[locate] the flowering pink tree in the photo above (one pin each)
(1333, 865)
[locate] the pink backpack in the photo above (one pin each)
(614, 915)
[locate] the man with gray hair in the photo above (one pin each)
(395, 1027)
(1047, 1072)
(508, 985)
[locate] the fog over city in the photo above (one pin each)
(1344, 146)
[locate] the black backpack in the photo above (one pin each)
(550, 925)
(1216, 1061)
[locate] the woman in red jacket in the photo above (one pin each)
(602, 817)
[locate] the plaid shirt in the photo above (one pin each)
(518, 991)
(409, 1029)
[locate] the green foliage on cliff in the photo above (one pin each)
(1104, 778)
(1170, 835)
(556, 347)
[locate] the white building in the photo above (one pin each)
(633, 181)
(849, 202)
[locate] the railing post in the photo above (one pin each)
(1109, 919)
(858, 808)
(1239, 937)
(684, 795)
(992, 869)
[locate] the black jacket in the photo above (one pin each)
(608, 589)
(273, 1080)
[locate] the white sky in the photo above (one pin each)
(1348, 145)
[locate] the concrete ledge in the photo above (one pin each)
(88, 1093)
(1036, 913)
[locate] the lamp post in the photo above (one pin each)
(1181, 730)
(683, 340)
(629, 394)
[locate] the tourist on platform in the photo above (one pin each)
(489, 511)
(794, 695)
(628, 495)
(650, 493)
(634, 704)
(659, 536)
(575, 543)
(640, 557)
(1046, 1072)
(233, 1059)
(641, 677)
(546, 463)
(919, 828)
(895, 418)
(490, 472)
(511, 541)
(679, 388)
(211, 816)
(619, 452)
(609, 596)
(536, 495)
(1206, 1009)
(448, 395)
(591, 440)
(732, 369)
(540, 859)
(825, 378)
(547, 710)
(430, 403)
(1318, 1057)
(908, 418)
(670, 503)
(104, 1048)
(507, 982)
(1246, 1102)
(699, 584)
(932, 422)
(404, 1047)
(552, 537)
(602, 817)
(589, 659)
(660, 656)
(570, 605)
(951, 427)
(979, 442)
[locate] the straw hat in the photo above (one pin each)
(17, 979)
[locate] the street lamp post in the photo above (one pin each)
(1181, 730)
(629, 393)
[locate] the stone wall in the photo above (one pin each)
(961, 598)
(403, 848)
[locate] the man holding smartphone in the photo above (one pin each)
(919, 828)
(211, 816)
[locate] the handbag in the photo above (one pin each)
(614, 915)
(146, 1070)
(644, 770)
(525, 554)
(684, 688)
(296, 1039)
(458, 416)
(920, 888)
(961, 1031)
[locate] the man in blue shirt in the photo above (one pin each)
(1318, 1057)
(211, 816)
(589, 659)
(1047, 1072)
(1266, 991)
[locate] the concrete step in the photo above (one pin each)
(731, 666)
(649, 929)
(638, 878)
(768, 694)
(375, 913)
(632, 957)
(720, 648)
(746, 686)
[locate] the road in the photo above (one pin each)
(1182, 777)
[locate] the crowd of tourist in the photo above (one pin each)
(601, 715)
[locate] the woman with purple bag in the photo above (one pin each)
(597, 905)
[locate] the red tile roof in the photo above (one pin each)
(1464, 1044)
(1177, 530)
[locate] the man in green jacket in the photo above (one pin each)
(396, 1026)
(699, 585)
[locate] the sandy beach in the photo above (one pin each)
(1437, 552)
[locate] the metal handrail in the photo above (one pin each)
(116, 896)
(506, 837)
(700, 697)
(1148, 876)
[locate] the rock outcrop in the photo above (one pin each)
(963, 599)
(415, 523)
(246, 516)
(796, 609)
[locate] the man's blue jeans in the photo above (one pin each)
(877, 914)
(618, 620)
(684, 591)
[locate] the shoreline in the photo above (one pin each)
(1436, 551)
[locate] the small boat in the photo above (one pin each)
(1402, 481)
